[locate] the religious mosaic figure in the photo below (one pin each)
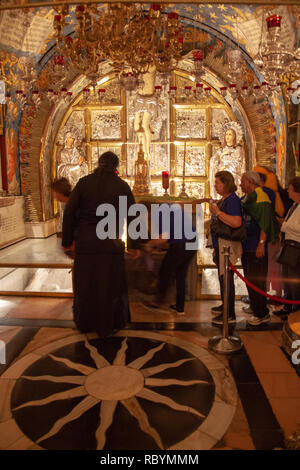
(71, 161)
(229, 157)
(71, 165)
(147, 111)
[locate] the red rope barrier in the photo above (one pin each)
(269, 296)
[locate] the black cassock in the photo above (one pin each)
(100, 287)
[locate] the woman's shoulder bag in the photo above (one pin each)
(221, 230)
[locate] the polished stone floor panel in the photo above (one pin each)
(258, 410)
(7, 333)
(45, 336)
(242, 369)
(196, 312)
(15, 340)
(265, 355)
(287, 411)
(41, 308)
(7, 304)
(6, 387)
(278, 385)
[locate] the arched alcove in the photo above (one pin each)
(258, 120)
(168, 141)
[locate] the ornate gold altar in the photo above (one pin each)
(110, 125)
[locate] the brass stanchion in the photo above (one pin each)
(225, 344)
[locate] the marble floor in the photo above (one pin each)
(157, 379)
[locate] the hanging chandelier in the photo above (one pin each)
(273, 58)
(81, 51)
(130, 38)
(28, 93)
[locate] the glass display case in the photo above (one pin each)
(36, 266)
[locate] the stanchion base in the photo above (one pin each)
(222, 345)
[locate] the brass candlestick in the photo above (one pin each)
(141, 168)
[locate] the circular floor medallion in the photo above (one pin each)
(140, 391)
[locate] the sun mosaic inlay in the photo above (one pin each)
(137, 391)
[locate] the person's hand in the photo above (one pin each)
(134, 254)
(70, 254)
(260, 250)
(81, 160)
(214, 209)
(69, 251)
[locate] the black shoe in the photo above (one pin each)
(175, 309)
(217, 309)
(219, 319)
(281, 313)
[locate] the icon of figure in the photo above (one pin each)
(229, 157)
(147, 111)
(71, 162)
(11, 141)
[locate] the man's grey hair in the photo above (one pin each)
(253, 177)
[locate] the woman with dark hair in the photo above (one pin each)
(61, 189)
(290, 254)
(100, 288)
(229, 211)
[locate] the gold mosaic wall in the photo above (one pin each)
(111, 126)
